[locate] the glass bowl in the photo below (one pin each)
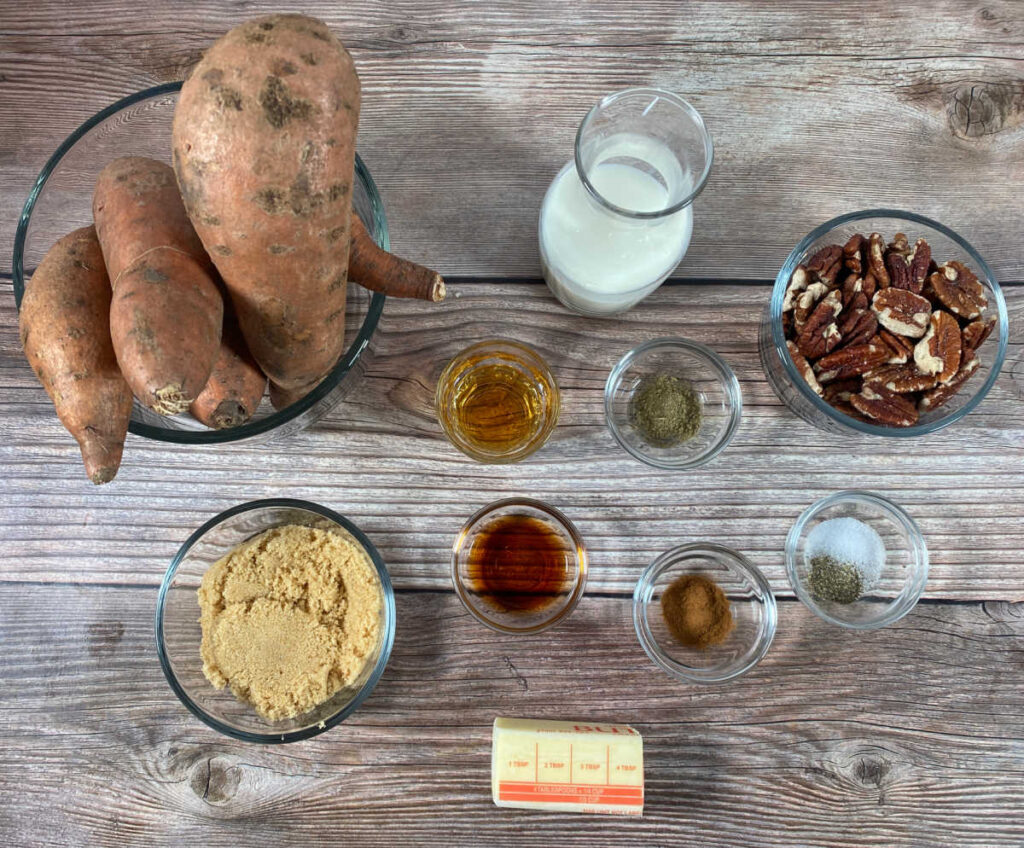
(61, 201)
(750, 599)
(708, 374)
(457, 384)
(946, 245)
(520, 620)
(178, 634)
(902, 578)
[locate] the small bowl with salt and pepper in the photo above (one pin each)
(857, 560)
(704, 613)
(672, 403)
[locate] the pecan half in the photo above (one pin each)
(804, 367)
(830, 274)
(944, 391)
(853, 252)
(919, 260)
(884, 406)
(959, 290)
(870, 285)
(938, 352)
(797, 283)
(844, 407)
(899, 272)
(820, 333)
(902, 347)
(805, 303)
(839, 391)
(902, 312)
(857, 325)
(825, 258)
(902, 379)
(851, 361)
(876, 259)
(900, 244)
(975, 333)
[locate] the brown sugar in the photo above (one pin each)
(697, 611)
(288, 618)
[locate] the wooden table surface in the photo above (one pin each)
(912, 735)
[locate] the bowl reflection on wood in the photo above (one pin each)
(61, 201)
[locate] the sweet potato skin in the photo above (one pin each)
(65, 332)
(236, 385)
(166, 313)
(264, 149)
(165, 323)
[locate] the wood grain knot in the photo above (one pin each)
(215, 781)
(984, 109)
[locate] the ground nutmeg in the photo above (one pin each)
(697, 611)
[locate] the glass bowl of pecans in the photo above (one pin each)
(885, 323)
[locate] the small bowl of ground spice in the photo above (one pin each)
(672, 403)
(704, 613)
(856, 559)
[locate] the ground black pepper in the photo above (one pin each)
(665, 410)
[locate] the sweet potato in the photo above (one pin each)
(65, 331)
(165, 317)
(264, 147)
(236, 384)
(376, 269)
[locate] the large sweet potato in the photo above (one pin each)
(65, 331)
(264, 147)
(165, 318)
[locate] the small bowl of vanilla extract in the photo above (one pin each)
(519, 566)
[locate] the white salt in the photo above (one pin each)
(851, 541)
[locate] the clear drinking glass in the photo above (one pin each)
(617, 219)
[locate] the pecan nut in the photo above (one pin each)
(920, 260)
(975, 333)
(804, 367)
(902, 348)
(899, 272)
(797, 283)
(853, 254)
(938, 352)
(857, 325)
(820, 333)
(944, 391)
(900, 244)
(805, 303)
(902, 312)
(876, 260)
(825, 258)
(958, 289)
(902, 379)
(851, 361)
(884, 406)
(839, 391)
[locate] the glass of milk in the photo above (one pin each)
(617, 219)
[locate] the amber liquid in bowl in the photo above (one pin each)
(518, 563)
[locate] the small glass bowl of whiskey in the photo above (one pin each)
(497, 401)
(519, 566)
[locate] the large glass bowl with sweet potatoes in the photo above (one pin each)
(61, 200)
(885, 323)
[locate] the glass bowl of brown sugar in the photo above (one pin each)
(704, 613)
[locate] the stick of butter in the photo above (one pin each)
(567, 766)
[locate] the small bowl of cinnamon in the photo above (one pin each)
(704, 613)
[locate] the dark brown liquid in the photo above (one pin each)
(519, 563)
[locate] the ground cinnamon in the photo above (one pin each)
(697, 611)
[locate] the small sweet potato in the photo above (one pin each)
(65, 331)
(165, 318)
(236, 384)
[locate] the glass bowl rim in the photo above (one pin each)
(671, 97)
(645, 588)
(727, 378)
(543, 434)
(563, 521)
(277, 418)
(779, 341)
(918, 547)
(388, 623)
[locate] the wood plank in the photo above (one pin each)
(470, 109)
(887, 738)
(381, 458)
